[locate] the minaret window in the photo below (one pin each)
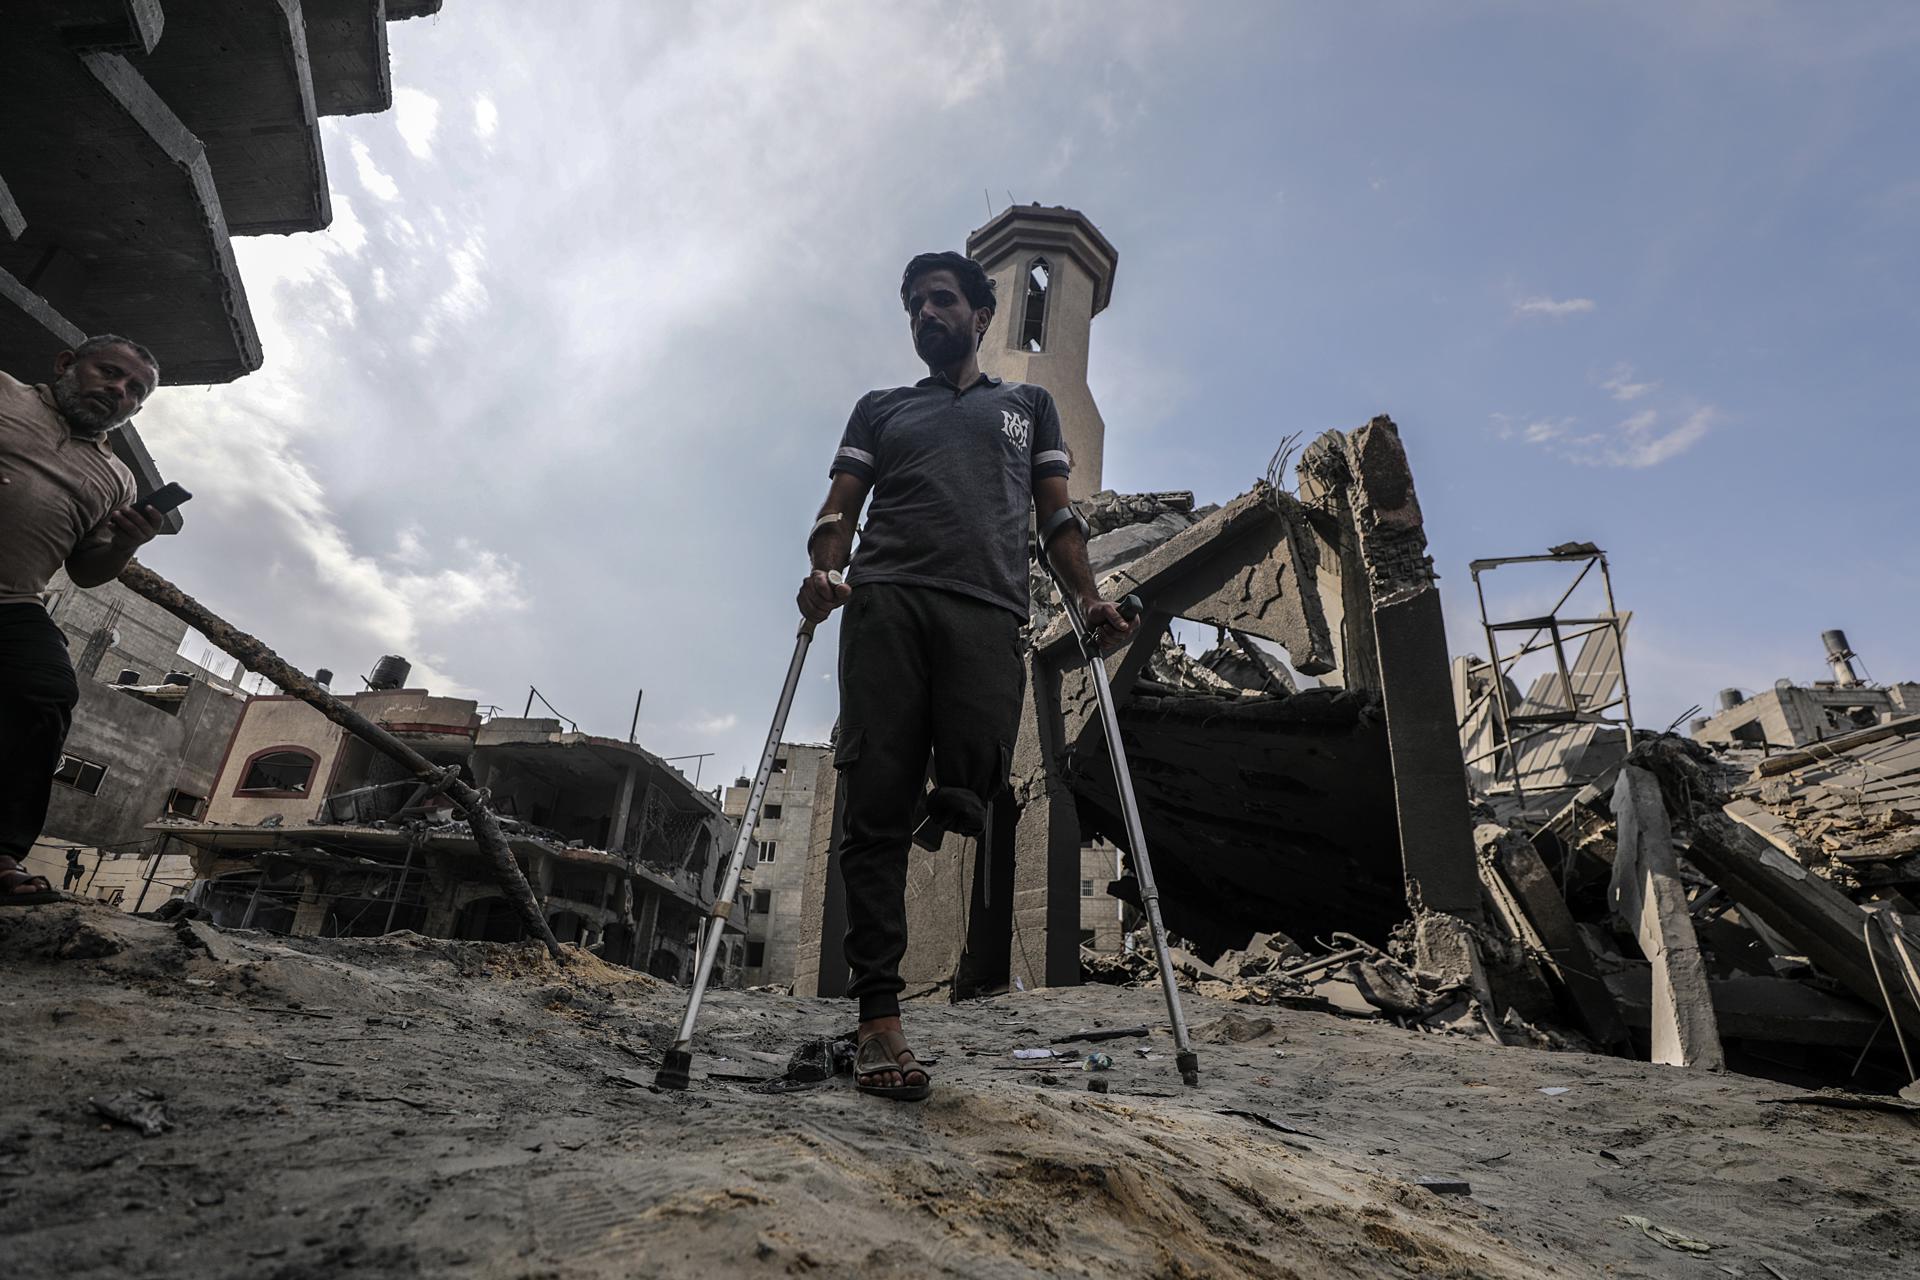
(1033, 324)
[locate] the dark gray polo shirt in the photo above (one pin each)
(952, 474)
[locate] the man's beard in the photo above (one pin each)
(941, 347)
(84, 416)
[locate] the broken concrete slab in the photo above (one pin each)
(1649, 901)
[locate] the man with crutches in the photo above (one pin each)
(931, 660)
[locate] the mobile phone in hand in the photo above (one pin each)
(165, 498)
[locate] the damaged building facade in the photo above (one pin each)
(309, 830)
(148, 735)
(777, 860)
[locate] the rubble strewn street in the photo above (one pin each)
(403, 1106)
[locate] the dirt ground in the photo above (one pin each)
(408, 1106)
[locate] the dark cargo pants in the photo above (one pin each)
(921, 670)
(37, 696)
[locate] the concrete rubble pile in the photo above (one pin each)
(1357, 979)
(1678, 914)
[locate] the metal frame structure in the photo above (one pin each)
(1515, 728)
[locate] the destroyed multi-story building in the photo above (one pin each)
(776, 860)
(309, 830)
(1792, 715)
(147, 738)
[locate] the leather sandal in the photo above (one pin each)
(887, 1051)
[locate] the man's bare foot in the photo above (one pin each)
(913, 1075)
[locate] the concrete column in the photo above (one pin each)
(1046, 844)
(622, 810)
(1363, 480)
(311, 914)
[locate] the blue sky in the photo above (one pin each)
(551, 402)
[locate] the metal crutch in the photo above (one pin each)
(675, 1071)
(1184, 1057)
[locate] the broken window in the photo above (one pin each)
(1033, 323)
(1086, 888)
(762, 901)
(770, 813)
(756, 954)
(767, 850)
(181, 804)
(779, 764)
(278, 771)
(81, 775)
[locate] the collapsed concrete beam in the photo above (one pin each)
(1648, 900)
(1569, 959)
(1751, 1007)
(1361, 484)
(1240, 567)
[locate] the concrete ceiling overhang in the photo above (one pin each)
(347, 42)
(123, 225)
(238, 75)
(1026, 228)
(561, 758)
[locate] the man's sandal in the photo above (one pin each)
(887, 1051)
(15, 890)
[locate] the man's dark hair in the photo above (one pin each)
(101, 341)
(973, 278)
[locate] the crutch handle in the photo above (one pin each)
(1130, 606)
(836, 577)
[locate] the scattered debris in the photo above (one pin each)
(1096, 1034)
(141, 1109)
(1445, 1186)
(1666, 1235)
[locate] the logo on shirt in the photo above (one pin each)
(1017, 426)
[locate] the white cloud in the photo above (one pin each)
(1643, 441)
(486, 117)
(713, 723)
(375, 183)
(416, 115)
(1621, 386)
(1552, 308)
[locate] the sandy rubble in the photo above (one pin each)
(408, 1106)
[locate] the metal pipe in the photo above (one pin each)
(406, 865)
(152, 867)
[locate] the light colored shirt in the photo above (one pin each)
(56, 490)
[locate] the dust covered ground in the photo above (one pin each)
(407, 1106)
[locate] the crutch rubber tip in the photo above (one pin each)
(676, 1071)
(1189, 1064)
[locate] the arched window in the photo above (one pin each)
(278, 771)
(1033, 317)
